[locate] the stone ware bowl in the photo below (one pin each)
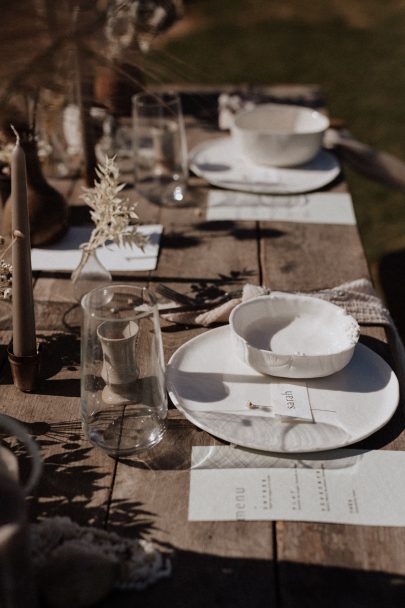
(293, 336)
(279, 135)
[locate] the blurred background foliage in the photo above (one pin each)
(354, 49)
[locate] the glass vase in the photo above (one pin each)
(89, 274)
(123, 395)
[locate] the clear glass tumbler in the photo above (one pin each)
(123, 394)
(160, 148)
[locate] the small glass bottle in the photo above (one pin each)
(89, 274)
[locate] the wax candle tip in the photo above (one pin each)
(15, 133)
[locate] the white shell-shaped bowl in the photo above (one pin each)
(293, 336)
(280, 135)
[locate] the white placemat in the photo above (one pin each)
(65, 254)
(315, 208)
(349, 487)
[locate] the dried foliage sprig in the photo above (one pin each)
(114, 216)
(5, 272)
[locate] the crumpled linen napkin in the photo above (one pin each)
(220, 314)
(78, 565)
(358, 298)
(374, 164)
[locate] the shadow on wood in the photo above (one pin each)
(252, 583)
(392, 279)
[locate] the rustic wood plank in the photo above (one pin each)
(309, 257)
(210, 557)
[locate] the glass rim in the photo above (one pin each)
(155, 100)
(149, 307)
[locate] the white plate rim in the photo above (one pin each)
(272, 188)
(194, 420)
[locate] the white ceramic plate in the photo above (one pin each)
(221, 163)
(212, 388)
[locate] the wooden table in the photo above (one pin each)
(231, 564)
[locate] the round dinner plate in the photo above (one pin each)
(222, 164)
(213, 388)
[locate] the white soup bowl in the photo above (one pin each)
(293, 336)
(279, 135)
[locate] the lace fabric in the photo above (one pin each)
(136, 563)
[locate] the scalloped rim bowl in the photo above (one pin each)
(293, 336)
(280, 135)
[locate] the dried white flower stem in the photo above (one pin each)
(114, 216)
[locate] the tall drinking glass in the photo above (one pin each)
(123, 396)
(160, 149)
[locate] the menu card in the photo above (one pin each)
(315, 208)
(346, 486)
(65, 255)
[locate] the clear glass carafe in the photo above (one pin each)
(123, 395)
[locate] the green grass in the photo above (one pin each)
(361, 68)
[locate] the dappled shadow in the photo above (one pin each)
(56, 352)
(180, 240)
(173, 329)
(244, 234)
(203, 290)
(173, 453)
(73, 485)
(177, 240)
(128, 518)
(59, 388)
(239, 231)
(59, 350)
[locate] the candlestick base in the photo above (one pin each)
(24, 370)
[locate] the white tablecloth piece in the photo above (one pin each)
(315, 208)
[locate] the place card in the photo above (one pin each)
(314, 208)
(290, 401)
(346, 486)
(65, 255)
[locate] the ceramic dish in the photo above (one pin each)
(222, 163)
(293, 336)
(211, 386)
(280, 135)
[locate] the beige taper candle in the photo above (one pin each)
(24, 342)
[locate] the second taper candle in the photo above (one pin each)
(24, 340)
